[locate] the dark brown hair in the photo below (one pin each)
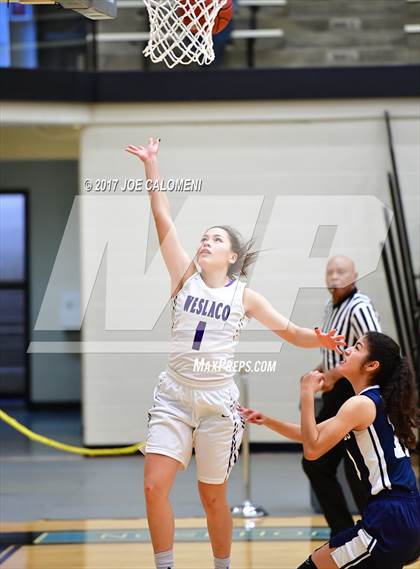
(242, 248)
(397, 383)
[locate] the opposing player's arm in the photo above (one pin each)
(291, 431)
(358, 412)
(258, 307)
(180, 266)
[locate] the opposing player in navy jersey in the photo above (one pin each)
(377, 426)
(352, 313)
(197, 408)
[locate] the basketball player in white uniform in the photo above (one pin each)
(197, 408)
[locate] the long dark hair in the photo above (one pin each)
(242, 248)
(398, 387)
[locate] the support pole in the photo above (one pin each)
(247, 509)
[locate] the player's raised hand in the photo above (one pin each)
(330, 340)
(314, 380)
(252, 416)
(145, 153)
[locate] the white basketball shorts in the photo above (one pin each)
(187, 415)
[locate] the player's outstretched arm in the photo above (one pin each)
(289, 430)
(180, 266)
(358, 412)
(258, 307)
(292, 431)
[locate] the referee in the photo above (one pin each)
(352, 314)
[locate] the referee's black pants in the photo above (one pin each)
(322, 472)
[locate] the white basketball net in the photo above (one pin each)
(180, 31)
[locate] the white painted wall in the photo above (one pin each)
(335, 149)
(246, 149)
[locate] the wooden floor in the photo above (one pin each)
(245, 555)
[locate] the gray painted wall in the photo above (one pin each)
(52, 186)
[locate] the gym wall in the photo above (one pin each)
(312, 148)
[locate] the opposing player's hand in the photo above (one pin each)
(251, 416)
(328, 385)
(314, 381)
(330, 379)
(145, 153)
(330, 340)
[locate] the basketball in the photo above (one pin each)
(187, 8)
(223, 17)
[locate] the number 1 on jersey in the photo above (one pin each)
(199, 333)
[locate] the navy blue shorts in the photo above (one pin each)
(387, 536)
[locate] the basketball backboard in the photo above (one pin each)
(92, 9)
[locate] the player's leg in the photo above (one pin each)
(352, 547)
(320, 559)
(358, 491)
(216, 441)
(159, 476)
(168, 449)
(219, 518)
(352, 550)
(322, 474)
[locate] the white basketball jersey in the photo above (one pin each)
(206, 323)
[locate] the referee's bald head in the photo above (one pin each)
(343, 261)
(340, 272)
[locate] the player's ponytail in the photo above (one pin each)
(243, 249)
(398, 388)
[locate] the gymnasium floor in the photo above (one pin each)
(62, 511)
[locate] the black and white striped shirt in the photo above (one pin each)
(352, 317)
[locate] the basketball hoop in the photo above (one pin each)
(181, 31)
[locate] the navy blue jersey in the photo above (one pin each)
(381, 460)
